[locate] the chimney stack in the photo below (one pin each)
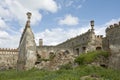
(40, 42)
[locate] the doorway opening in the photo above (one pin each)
(77, 51)
(98, 48)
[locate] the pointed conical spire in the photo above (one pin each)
(29, 17)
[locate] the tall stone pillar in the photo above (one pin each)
(27, 48)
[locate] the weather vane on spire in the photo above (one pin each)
(29, 17)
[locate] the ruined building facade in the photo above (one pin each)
(26, 56)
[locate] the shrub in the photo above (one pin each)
(86, 58)
(66, 66)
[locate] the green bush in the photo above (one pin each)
(86, 58)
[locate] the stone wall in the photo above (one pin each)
(112, 42)
(8, 58)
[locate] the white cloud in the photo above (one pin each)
(49, 5)
(3, 35)
(69, 20)
(17, 9)
(100, 30)
(8, 41)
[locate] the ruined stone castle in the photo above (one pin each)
(27, 55)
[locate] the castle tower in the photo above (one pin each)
(40, 42)
(27, 48)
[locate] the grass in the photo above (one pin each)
(71, 74)
(66, 72)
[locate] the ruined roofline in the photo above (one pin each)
(81, 35)
(116, 25)
(27, 25)
(9, 49)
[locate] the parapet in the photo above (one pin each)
(116, 25)
(9, 49)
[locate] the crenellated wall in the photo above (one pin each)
(8, 58)
(112, 39)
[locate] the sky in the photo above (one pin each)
(55, 21)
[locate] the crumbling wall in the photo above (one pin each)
(61, 57)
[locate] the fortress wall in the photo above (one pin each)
(8, 58)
